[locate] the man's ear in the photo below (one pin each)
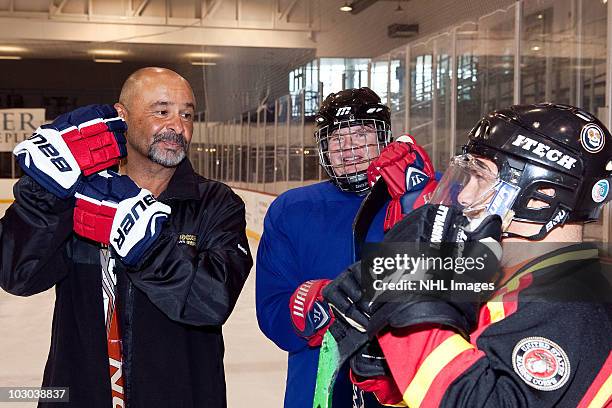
(121, 110)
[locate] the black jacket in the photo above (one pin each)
(170, 308)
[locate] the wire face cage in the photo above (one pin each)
(347, 148)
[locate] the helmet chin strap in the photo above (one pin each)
(559, 217)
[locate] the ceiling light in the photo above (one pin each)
(347, 7)
(10, 57)
(203, 63)
(535, 48)
(540, 16)
(10, 48)
(107, 52)
(108, 60)
(202, 55)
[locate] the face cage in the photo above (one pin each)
(491, 194)
(355, 155)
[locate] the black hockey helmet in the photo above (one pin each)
(353, 109)
(548, 147)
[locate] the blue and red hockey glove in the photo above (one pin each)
(111, 209)
(310, 313)
(405, 167)
(81, 142)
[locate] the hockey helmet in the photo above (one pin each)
(352, 127)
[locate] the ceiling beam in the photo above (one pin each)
(361, 5)
(287, 11)
(59, 30)
(141, 7)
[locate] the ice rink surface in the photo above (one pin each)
(255, 369)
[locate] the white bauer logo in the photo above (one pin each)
(345, 110)
(541, 363)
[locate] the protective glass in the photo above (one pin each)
(347, 148)
(472, 186)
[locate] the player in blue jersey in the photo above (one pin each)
(307, 238)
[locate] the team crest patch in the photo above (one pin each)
(592, 138)
(600, 191)
(541, 363)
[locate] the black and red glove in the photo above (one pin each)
(406, 168)
(310, 313)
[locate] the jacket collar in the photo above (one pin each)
(558, 262)
(183, 184)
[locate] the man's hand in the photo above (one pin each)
(405, 167)
(310, 314)
(112, 209)
(84, 141)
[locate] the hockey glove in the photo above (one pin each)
(431, 225)
(370, 372)
(84, 141)
(310, 314)
(112, 209)
(406, 168)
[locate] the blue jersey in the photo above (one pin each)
(307, 235)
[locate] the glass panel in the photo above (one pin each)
(496, 60)
(356, 72)
(331, 75)
(548, 71)
(268, 146)
(311, 157)
(295, 141)
(244, 153)
(421, 94)
(469, 81)
(282, 134)
(379, 77)
(442, 94)
(252, 137)
(397, 97)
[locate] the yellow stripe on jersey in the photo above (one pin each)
(496, 305)
(603, 395)
(431, 367)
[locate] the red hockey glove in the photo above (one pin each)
(112, 209)
(405, 167)
(310, 313)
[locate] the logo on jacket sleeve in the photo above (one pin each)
(541, 363)
(592, 138)
(188, 239)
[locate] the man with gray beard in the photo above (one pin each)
(141, 295)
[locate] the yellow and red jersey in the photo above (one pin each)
(544, 340)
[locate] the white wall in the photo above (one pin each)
(6, 194)
(256, 207)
